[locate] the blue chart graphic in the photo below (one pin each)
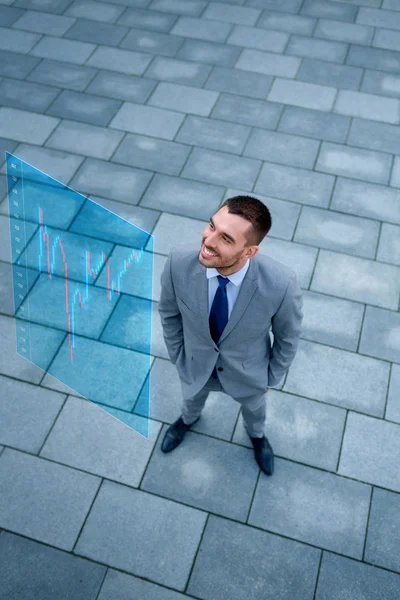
(82, 283)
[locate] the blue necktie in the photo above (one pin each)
(219, 313)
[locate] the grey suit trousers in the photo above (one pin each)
(253, 407)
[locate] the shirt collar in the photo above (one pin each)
(236, 278)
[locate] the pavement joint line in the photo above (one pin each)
(367, 523)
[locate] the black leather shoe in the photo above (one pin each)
(175, 434)
(264, 454)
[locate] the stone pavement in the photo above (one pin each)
(159, 110)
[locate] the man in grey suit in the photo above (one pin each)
(217, 305)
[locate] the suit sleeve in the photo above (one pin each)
(171, 318)
(286, 327)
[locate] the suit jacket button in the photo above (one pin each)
(220, 369)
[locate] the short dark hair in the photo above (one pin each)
(253, 210)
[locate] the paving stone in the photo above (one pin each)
(201, 29)
(8, 303)
(96, 32)
(193, 8)
(25, 95)
(8, 254)
(366, 200)
(387, 38)
(254, 37)
(25, 126)
(285, 22)
(354, 579)
(344, 32)
(42, 22)
(44, 500)
(314, 48)
(149, 520)
(374, 58)
(217, 135)
(142, 218)
(183, 98)
(180, 71)
(147, 120)
(268, 63)
(81, 138)
(376, 136)
(123, 61)
(122, 586)
(306, 95)
(46, 572)
(236, 81)
(327, 374)
(51, 6)
(121, 86)
(152, 154)
(299, 258)
(282, 148)
(9, 15)
(229, 551)
(368, 106)
(247, 111)
(375, 462)
(62, 74)
(393, 405)
(220, 11)
(395, 180)
(335, 231)
(286, 6)
(16, 65)
(382, 546)
(354, 162)
(376, 82)
(209, 52)
(147, 19)
(314, 123)
(390, 4)
(329, 10)
(152, 41)
(221, 168)
(290, 183)
(357, 279)
(17, 41)
(166, 231)
(63, 49)
(6, 146)
(389, 244)
(88, 9)
(324, 73)
(84, 107)
(380, 334)
(379, 18)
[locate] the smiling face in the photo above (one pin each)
(224, 236)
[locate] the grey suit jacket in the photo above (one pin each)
(269, 297)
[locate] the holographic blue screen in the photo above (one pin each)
(82, 288)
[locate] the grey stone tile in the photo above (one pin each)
(14, 40)
(344, 32)
(367, 200)
(81, 138)
(268, 63)
(27, 414)
(7, 300)
(379, 334)
(376, 136)
(147, 120)
(354, 162)
(327, 374)
(6, 146)
(122, 586)
(47, 572)
(80, 425)
(52, 383)
(393, 404)
(52, 6)
(61, 74)
(377, 82)
(96, 32)
(193, 8)
(315, 507)
(331, 321)
(374, 58)
(223, 481)
(324, 73)
(152, 154)
(395, 180)
(382, 548)
(390, 4)
(42, 22)
(183, 98)
(172, 231)
(363, 2)
(351, 578)
(285, 22)
(254, 37)
(229, 551)
(217, 135)
(299, 185)
(368, 106)
(121, 86)
(182, 197)
(179, 71)
(221, 168)
(147, 19)
(357, 279)
(314, 123)
(286, 6)
(140, 217)
(335, 231)
(111, 181)
(375, 462)
(202, 29)
(9, 15)
(152, 41)
(88, 9)
(296, 256)
(16, 65)
(243, 15)
(387, 38)
(389, 244)
(84, 107)
(236, 81)
(104, 540)
(282, 148)
(25, 126)
(44, 500)
(379, 18)
(306, 95)
(122, 61)
(209, 52)
(25, 95)
(329, 10)
(62, 49)
(314, 48)
(247, 111)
